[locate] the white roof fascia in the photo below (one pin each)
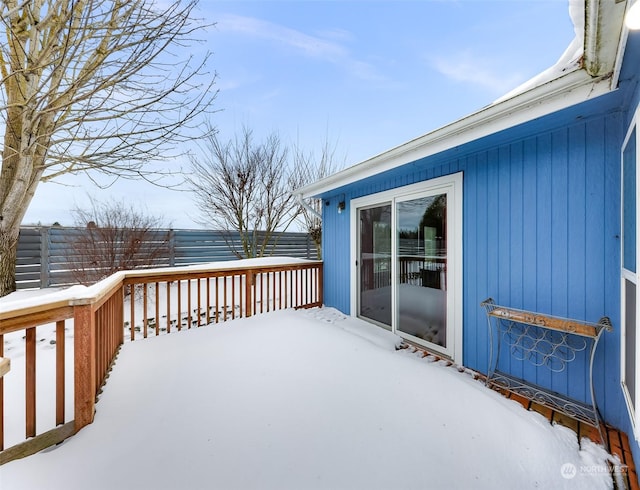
(615, 78)
(617, 67)
(560, 93)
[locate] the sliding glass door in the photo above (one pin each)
(421, 276)
(374, 260)
(408, 262)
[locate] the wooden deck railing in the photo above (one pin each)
(147, 302)
(210, 296)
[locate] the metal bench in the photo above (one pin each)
(543, 340)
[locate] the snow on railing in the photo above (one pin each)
(172, 299)
(101, 317)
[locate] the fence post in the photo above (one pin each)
(84, 366)
(172, 248)
(44, 257)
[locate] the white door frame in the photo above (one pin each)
(451, 184)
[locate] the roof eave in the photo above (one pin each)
(572, 88)
(604, 37)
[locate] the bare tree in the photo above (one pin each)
(92, 86)
(310, 168)
(113, 236)
(245, 187)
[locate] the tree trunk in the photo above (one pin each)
(8, 255)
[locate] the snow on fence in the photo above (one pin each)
(44, 258)
(54, 397)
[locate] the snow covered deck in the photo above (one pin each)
(52, 393)
(305, 399)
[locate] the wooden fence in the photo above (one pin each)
(152, 302)
(44, 253)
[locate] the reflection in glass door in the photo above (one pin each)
(421, 277)
(374, 263)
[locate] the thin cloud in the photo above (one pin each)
(477, 71)
(336, 34)
(328, 50)
(308, 45)
(224, 85)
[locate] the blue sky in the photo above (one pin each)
(368, 75)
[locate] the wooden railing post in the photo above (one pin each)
(30, 382)
(320, 285)
(5, 366)
(85, 365)
(60, 388)
(248, 296)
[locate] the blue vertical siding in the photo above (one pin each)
(335, 252)
(610, 376)
(576, 249)
(540, 232)
(558, 255)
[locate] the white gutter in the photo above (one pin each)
(591, 13)
(302, 203)
(560, 93)
(603, 32)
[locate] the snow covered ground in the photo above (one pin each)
(303, 400)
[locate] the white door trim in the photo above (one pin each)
(448, 183)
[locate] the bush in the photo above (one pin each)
(113, 236)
